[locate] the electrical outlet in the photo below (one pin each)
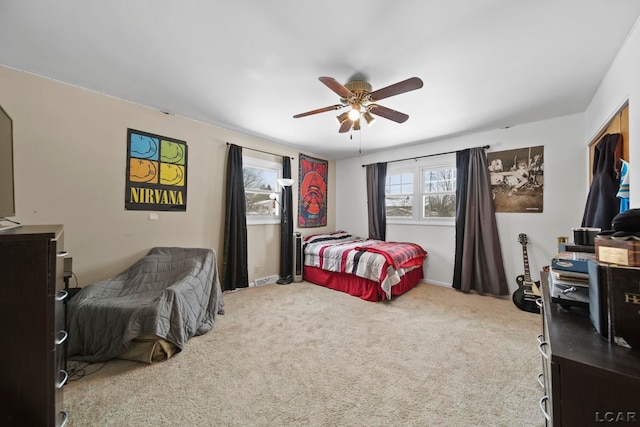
(256, 269)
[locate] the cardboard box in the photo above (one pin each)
(620, 252)
(624, 305)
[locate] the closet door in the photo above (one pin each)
(618, 124)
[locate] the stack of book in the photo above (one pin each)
(569, 288)
(569, 278)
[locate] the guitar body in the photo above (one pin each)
(523, 298)
(528, 291)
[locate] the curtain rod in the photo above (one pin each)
(261, 151)
(486, 147)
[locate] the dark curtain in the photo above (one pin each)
(478, 262)
(462, 178)
(234, 270)
(602, 202)
(286, 227)
(376, 177)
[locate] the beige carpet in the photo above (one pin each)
(303, 355)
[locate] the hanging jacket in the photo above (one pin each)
(602, 203)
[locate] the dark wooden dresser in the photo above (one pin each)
(32, 316)
(587, 381)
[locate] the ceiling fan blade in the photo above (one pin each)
(345, 126)
(319, 110)
(333, 84)
(388, 113)
(401, 87)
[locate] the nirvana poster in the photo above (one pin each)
(156, 177)
(517, 179)
(312, 192)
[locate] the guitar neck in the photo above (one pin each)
(525, 258)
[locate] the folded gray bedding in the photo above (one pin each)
(173, 293)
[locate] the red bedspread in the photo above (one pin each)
(397, 254)
(375, 260)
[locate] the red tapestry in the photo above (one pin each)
(312, 192)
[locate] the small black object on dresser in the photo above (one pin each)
(32, 314)
(587, 380)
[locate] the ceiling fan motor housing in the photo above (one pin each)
(358, 86)
(360, 89)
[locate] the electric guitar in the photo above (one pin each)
(528, 291)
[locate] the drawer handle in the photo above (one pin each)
(64, 378)
(544, 353)
(62, 254)
(62, 338)
(543, 403)
(65, 418)
(62, 295)
(540, 378)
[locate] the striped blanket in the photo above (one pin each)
(397, 254)
(382, 262)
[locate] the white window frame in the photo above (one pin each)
(253, 162)
(417, 166)
(411, 172)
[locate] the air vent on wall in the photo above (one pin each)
(265, 280)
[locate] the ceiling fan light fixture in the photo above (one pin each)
(356, 124)
(343, 117)
(369, 118)
(354, 113)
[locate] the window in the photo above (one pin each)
(399, 195)
(260, 181)
(422, 192)
(438, 193)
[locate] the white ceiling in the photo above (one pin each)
(250, 65)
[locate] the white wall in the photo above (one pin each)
(565, 191)
(70, 164)
(621, 83)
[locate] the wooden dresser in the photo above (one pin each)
(32, 314)
(587, 381)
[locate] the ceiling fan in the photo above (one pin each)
(357, 95)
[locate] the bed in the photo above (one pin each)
(149, 311)
(373, 270)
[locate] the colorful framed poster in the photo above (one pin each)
(517, 179)
(312, 192)
(156, 177)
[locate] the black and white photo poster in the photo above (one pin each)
(517, 179)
